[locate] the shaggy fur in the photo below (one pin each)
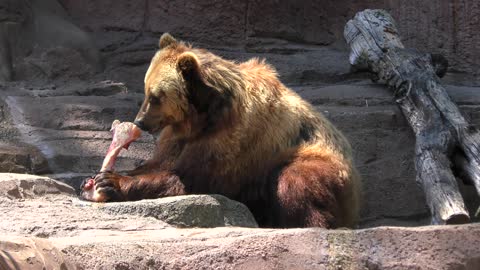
(235, 129)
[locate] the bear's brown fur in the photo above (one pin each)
(235, 129)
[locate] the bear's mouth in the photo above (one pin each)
(151, 127)
(157, 130)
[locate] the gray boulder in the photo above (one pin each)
(206, 211)
(25, 186)
(22, 196)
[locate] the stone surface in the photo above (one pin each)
(22, 158)
(43, 207)
(24, 186)
(450, 28)
(72, 134)
(189, 211)
(55, 230)
(296, 64)
(65, 113)
(30, 254)
(38, 41)
(55, 119)
(380, 248)
(435, 248)
(55, 63)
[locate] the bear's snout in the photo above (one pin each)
(140, 124)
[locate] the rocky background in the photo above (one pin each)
(69, 68)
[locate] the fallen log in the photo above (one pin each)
(442, 133)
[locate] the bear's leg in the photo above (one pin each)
(110, 186)
(315, 189)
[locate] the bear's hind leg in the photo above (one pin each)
(316, 189)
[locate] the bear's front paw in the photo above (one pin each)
(106, 186)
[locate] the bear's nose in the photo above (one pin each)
(139, 123)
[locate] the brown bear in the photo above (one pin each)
(236, 130)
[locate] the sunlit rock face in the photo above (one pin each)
(57, 112)
(44, 226)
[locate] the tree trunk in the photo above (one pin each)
(440, 129)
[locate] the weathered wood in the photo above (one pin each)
(470, 171)
(439, 127)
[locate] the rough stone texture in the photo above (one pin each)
(189, 211)
(73, 123)
(43, 207)
(296, 64)
(60, 108)
(72, 134)
(55, 230)
(301, 21)
(435, 248)
(381, 248)
(446, 27)
(54, 63)
(38, 41)
(24, 186)
(219, 25)
(22, 158)
(108, 15)
(30, 254)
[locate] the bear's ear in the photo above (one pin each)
(188, 64)
(166, 40)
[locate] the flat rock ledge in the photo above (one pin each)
(46, 207)
(43, 225)
(436, 248)
(206, 211)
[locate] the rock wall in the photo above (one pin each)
(302, 40)
(447, 27)
(44, 226)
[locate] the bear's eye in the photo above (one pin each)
(154, 100)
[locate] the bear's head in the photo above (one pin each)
(182, 93)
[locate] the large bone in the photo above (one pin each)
(123, 135)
